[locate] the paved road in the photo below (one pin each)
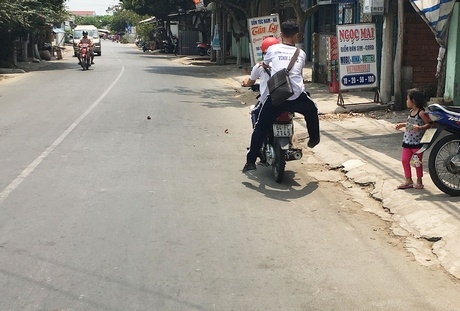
(103, 209)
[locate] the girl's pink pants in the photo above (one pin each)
(406, 156)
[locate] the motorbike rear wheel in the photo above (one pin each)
(279, 163)
(444, 172)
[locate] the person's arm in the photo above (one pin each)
(253, 78)
(400, 125)
(248, 82)
(425, 119)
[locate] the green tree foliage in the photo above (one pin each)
(20, 17)
(158, 8)
(28, 15)
(99, 21)
(122, 18)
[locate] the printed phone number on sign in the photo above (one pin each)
(363, 79)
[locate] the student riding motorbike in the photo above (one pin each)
(89, 43)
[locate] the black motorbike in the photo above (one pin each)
(278, 147)
(444, 159)
(167, 47)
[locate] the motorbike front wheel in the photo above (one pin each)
(444, 164)
(201, 52)
(279, 163)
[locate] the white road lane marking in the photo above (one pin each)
(35, 163)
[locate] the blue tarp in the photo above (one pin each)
(436, 14)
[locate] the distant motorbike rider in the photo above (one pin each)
(86, 40)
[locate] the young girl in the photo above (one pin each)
(416, 124)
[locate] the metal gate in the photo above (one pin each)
(188, 41)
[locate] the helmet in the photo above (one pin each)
(85, 32)
(268, 42)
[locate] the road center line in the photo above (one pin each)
(35, 163)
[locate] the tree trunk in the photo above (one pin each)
(398, 58)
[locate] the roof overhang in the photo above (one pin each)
(150, 20)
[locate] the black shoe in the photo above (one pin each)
(79, 63)
(312, 143)
(249, 167)
(92, 63)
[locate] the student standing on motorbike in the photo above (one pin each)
(86, 40)
(259, 72)
(278, 57)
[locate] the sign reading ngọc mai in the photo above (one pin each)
(357, 56)
(259, 29)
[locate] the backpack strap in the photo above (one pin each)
(293, 59)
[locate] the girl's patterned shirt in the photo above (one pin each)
(412, 138)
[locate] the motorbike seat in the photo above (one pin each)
(449, 109)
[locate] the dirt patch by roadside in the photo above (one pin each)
(388, 115)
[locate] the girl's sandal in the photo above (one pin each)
(419, 186)
(405, 186)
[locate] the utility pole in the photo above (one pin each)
(398, 58)
(387, 54)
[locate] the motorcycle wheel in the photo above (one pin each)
(279, 163)
(445, 175)
(209, 51)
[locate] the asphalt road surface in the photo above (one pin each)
(102, 208)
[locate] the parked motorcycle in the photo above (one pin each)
(278, 147)
(145, 46)
(444, 159)
(167, 47)
(204, 48)
(85, 57)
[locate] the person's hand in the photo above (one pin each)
(419, 128)
(399, 126)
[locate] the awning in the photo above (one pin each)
(436, 13)
(58, 30)
(150, 20)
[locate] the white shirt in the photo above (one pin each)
(279, 55)
(258, 72)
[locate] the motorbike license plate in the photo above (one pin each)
(428, 136)
(282, 130)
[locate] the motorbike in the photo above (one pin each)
(145, 46)
(278, 148)
(444, 159)
(85, 57)
(204, 48)
(167, 47)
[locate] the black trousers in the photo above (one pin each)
(302, 104)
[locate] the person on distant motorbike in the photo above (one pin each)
(277, 58)
(86, 40)
(259, 72)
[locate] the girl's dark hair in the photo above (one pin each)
(417, 97)
(289, 29)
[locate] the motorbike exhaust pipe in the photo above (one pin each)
(297, 155)
(294, 155)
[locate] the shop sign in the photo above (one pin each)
(374, 7)
(259, 29)
(357, 56)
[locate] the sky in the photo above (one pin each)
(100, 6)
